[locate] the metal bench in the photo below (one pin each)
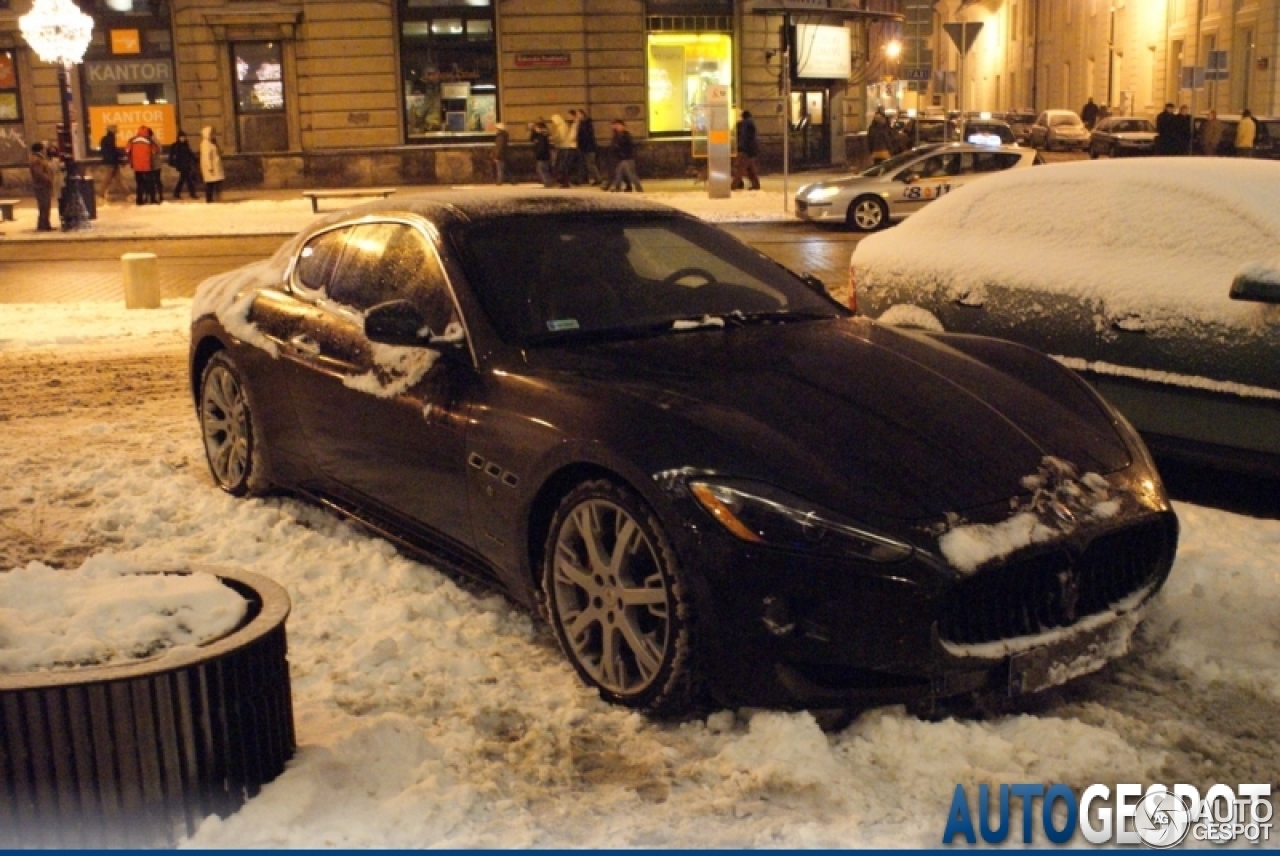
(316, 195)
(6, 208)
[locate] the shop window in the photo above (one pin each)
(258, 68)
(127, 77)
(13, 146)
(681, 65)
(449, 68)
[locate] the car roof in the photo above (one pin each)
(449, 207)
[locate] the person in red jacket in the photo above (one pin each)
(144, 157)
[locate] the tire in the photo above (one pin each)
(867, 214)
(233, 445)
(1115, 152)
(609, 569)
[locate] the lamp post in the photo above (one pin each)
(59, 33)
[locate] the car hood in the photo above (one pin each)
(844, 412)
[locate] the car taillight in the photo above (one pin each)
(853, 291)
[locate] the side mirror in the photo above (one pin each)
(399, 322)
(1259, 284)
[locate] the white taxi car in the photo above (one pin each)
(905, 183)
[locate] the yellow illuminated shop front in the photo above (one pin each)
(681, 67)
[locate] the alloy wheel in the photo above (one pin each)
(224, 418)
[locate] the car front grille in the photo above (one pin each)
(1056, 589)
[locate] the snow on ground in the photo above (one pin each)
(286, 212)
(433, 716)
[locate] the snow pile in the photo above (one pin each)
(107, 613)
(1060, 501)
(1103, 232)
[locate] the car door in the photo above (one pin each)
(924, 181)
(386, 425)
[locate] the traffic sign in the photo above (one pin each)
(963, 35)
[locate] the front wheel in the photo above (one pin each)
(867, 214)
(619, 602)
(232, 445)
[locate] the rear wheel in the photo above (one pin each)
(867, 214)
(232, 444)
(619, 602)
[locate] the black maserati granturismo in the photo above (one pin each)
(712, 480)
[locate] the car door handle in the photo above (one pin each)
(305, 345)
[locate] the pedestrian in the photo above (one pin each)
(879, 141)
(748, 151)
(624, 154)
(589, 169)
(1246, 133)
(211, 164)
(42, 172)
(1089, 113)
(541, 139)
(1165, 143)
(141, 150)
(109, 148)
(565, 137)
(1211, 134)
(501, 141)
(54, 157)
(156, 187)
(1182, 131)
(184, 160)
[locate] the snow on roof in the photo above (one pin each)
(1160, 235)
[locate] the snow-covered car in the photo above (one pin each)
(709, 476)
(1158, 285)
(1117, 136)
(1059, 130)
(905, 183)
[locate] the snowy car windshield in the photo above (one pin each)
(553, 277)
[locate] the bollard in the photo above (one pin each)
(141, 281)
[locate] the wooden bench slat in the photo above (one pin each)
(316, 195)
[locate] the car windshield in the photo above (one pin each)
(887, 166)
(1130, 126)
(1062, 119)
(543, 278)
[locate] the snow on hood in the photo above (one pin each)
(1061, 501)
(1101, 230)
(106, 612)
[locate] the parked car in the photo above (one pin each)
(1020, 121)
(905, 183)
(1158, 285)
(1116, 136)
(1266, 144)
(987, 132)
(920, 130)
(709, 476)
(1059, 129)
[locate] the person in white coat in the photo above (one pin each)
(210, 164)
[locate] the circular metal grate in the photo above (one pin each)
(136, 755)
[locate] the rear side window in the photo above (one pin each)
(319, 259)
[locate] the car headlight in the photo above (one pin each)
(821, 194)
(760, 514)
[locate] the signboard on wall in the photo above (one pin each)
(543, 60)
(823, 52)
(127, 118)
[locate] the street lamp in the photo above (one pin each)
(59, 33)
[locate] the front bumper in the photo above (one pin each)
(826, 211)
(790, 630)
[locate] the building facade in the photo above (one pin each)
(348, 92)
(1131, 55)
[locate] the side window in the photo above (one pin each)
(392, 261)
(1005, 161)
(318, 260)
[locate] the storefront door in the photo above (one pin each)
(810, 134)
